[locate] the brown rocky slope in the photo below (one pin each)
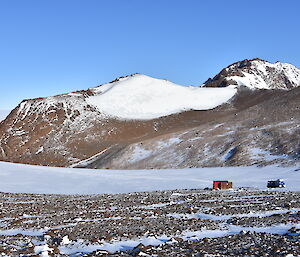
(258, 126)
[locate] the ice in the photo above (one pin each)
(229, 154)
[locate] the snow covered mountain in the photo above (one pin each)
(257, 74)
(64, 129)
(133, 121)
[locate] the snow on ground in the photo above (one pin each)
(20, 178)
(139, 154)
(143, 97)
(258, 153)
(227, 217)
(3, 114)
(113, 247)
(73, 247)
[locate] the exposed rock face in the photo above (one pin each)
(61, 130)
(257, 128)
(40, 130)
(257, 74)
(254, 127)
(65, 129)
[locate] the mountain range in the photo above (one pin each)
(248, 114)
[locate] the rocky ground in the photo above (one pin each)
(242, 222)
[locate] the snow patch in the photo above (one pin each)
(40, 150)
(139, 154)
(141, 97)
(230, 153)
(82, 247)
(43, 250)
(206, 216)
(258, 153)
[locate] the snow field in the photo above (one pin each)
(20, 178)
(142, 97)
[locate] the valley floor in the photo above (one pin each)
(82, 212)
(160, 223)
(20, 178)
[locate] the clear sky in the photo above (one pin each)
(52, 47)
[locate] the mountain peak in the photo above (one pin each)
(257, 74)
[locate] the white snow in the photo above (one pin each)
(205, 216)
(20, 178)
(40, 150)
(65, 240)
(142, 97)
(250, 80)
(258, 153)
(263, 75)
(13, 232)
(86, 162)
(43, 249)
(139, 154)
(292, 72)
(80, 246)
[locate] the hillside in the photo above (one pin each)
(247, 114)
(264, 131)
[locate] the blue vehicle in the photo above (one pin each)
(276, 183)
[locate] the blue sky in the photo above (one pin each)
(52, 47)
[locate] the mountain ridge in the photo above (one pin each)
(257, 74)
(66, 129)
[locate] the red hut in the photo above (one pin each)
(222, 184)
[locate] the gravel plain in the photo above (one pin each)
(241, 222)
